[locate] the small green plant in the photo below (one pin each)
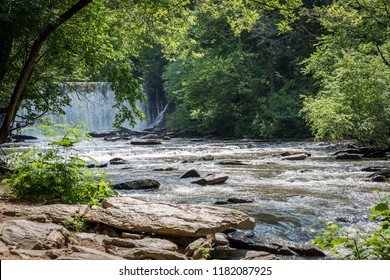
(204, 250)
(77, 224)
(372, 245)
(55, 174)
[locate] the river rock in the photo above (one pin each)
(153, 136)
(135, 215)
(146, 253)
(379, 179)
(233, 162)
(145, 142)
(191, 174)
(251, 241)
(228, 253)
(349, 157)
(55, 213)
(373, 168)
(221, 239)
(350, 151)
(117, 161)
(3, 248)
(164, 169)
(383, 172)
(142, 184)
(30, 254)
(132, 235)
(22, 234)
(234, 200)
(84, 253)
(212, 179)
(301, 156)
(200, 248)
(156, 243)
(207, 158)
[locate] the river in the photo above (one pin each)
(290, 197)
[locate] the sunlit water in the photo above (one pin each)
(290, 197)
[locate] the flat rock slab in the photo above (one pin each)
(144, 253)
(55, 213)
(22, 234)
(249, 240)
(136, 215)
(296, 157)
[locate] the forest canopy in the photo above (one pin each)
(269, 69)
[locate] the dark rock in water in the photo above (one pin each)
(212, 179)
(296, 157)
(102, 165)
(146, 142)
(293, 153)
(221, 202)
(233, 200)
(19, 138)
(383, 172)
(116, 161)
(234, 162)
(379, 179)
(376, 154)
(150, 136)
(248, 239)
(239, 200)
(110, 133)
(350, 151)
(191, 174)
(142, 184)
(349, 157)
(164, 169)
(373, 168)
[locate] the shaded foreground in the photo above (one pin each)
(128, 228)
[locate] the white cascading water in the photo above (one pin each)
(92, 104)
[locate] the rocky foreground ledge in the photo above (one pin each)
(129, 228)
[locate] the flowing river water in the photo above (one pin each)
(290, 197)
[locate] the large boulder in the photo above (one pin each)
(249, 240)
(212, 179)
(191, 174)
(135, 215)
(142, 184)
(22, 234)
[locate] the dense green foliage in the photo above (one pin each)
(230, 67)
(238, 84)
(351, 65)
(361, 246)
(55, 174)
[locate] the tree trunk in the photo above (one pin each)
(28, 68)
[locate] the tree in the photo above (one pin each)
(46, 43)
(351, 66)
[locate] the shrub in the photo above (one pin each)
(371, 245)
(55, 174)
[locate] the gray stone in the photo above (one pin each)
(228, 253)
(144, 253)
(22, 234)
(296, 157)
(117, 161)
(212, 179)
(251, 241)
(136, 215)
(191, 174)
(221, 239)
(56, 213)
(84, 253)
(142, 184)
(155, 243)
(3, 248)
(349, 157)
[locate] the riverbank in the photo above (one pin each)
(128, 228)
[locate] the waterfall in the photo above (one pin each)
(92, 104)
